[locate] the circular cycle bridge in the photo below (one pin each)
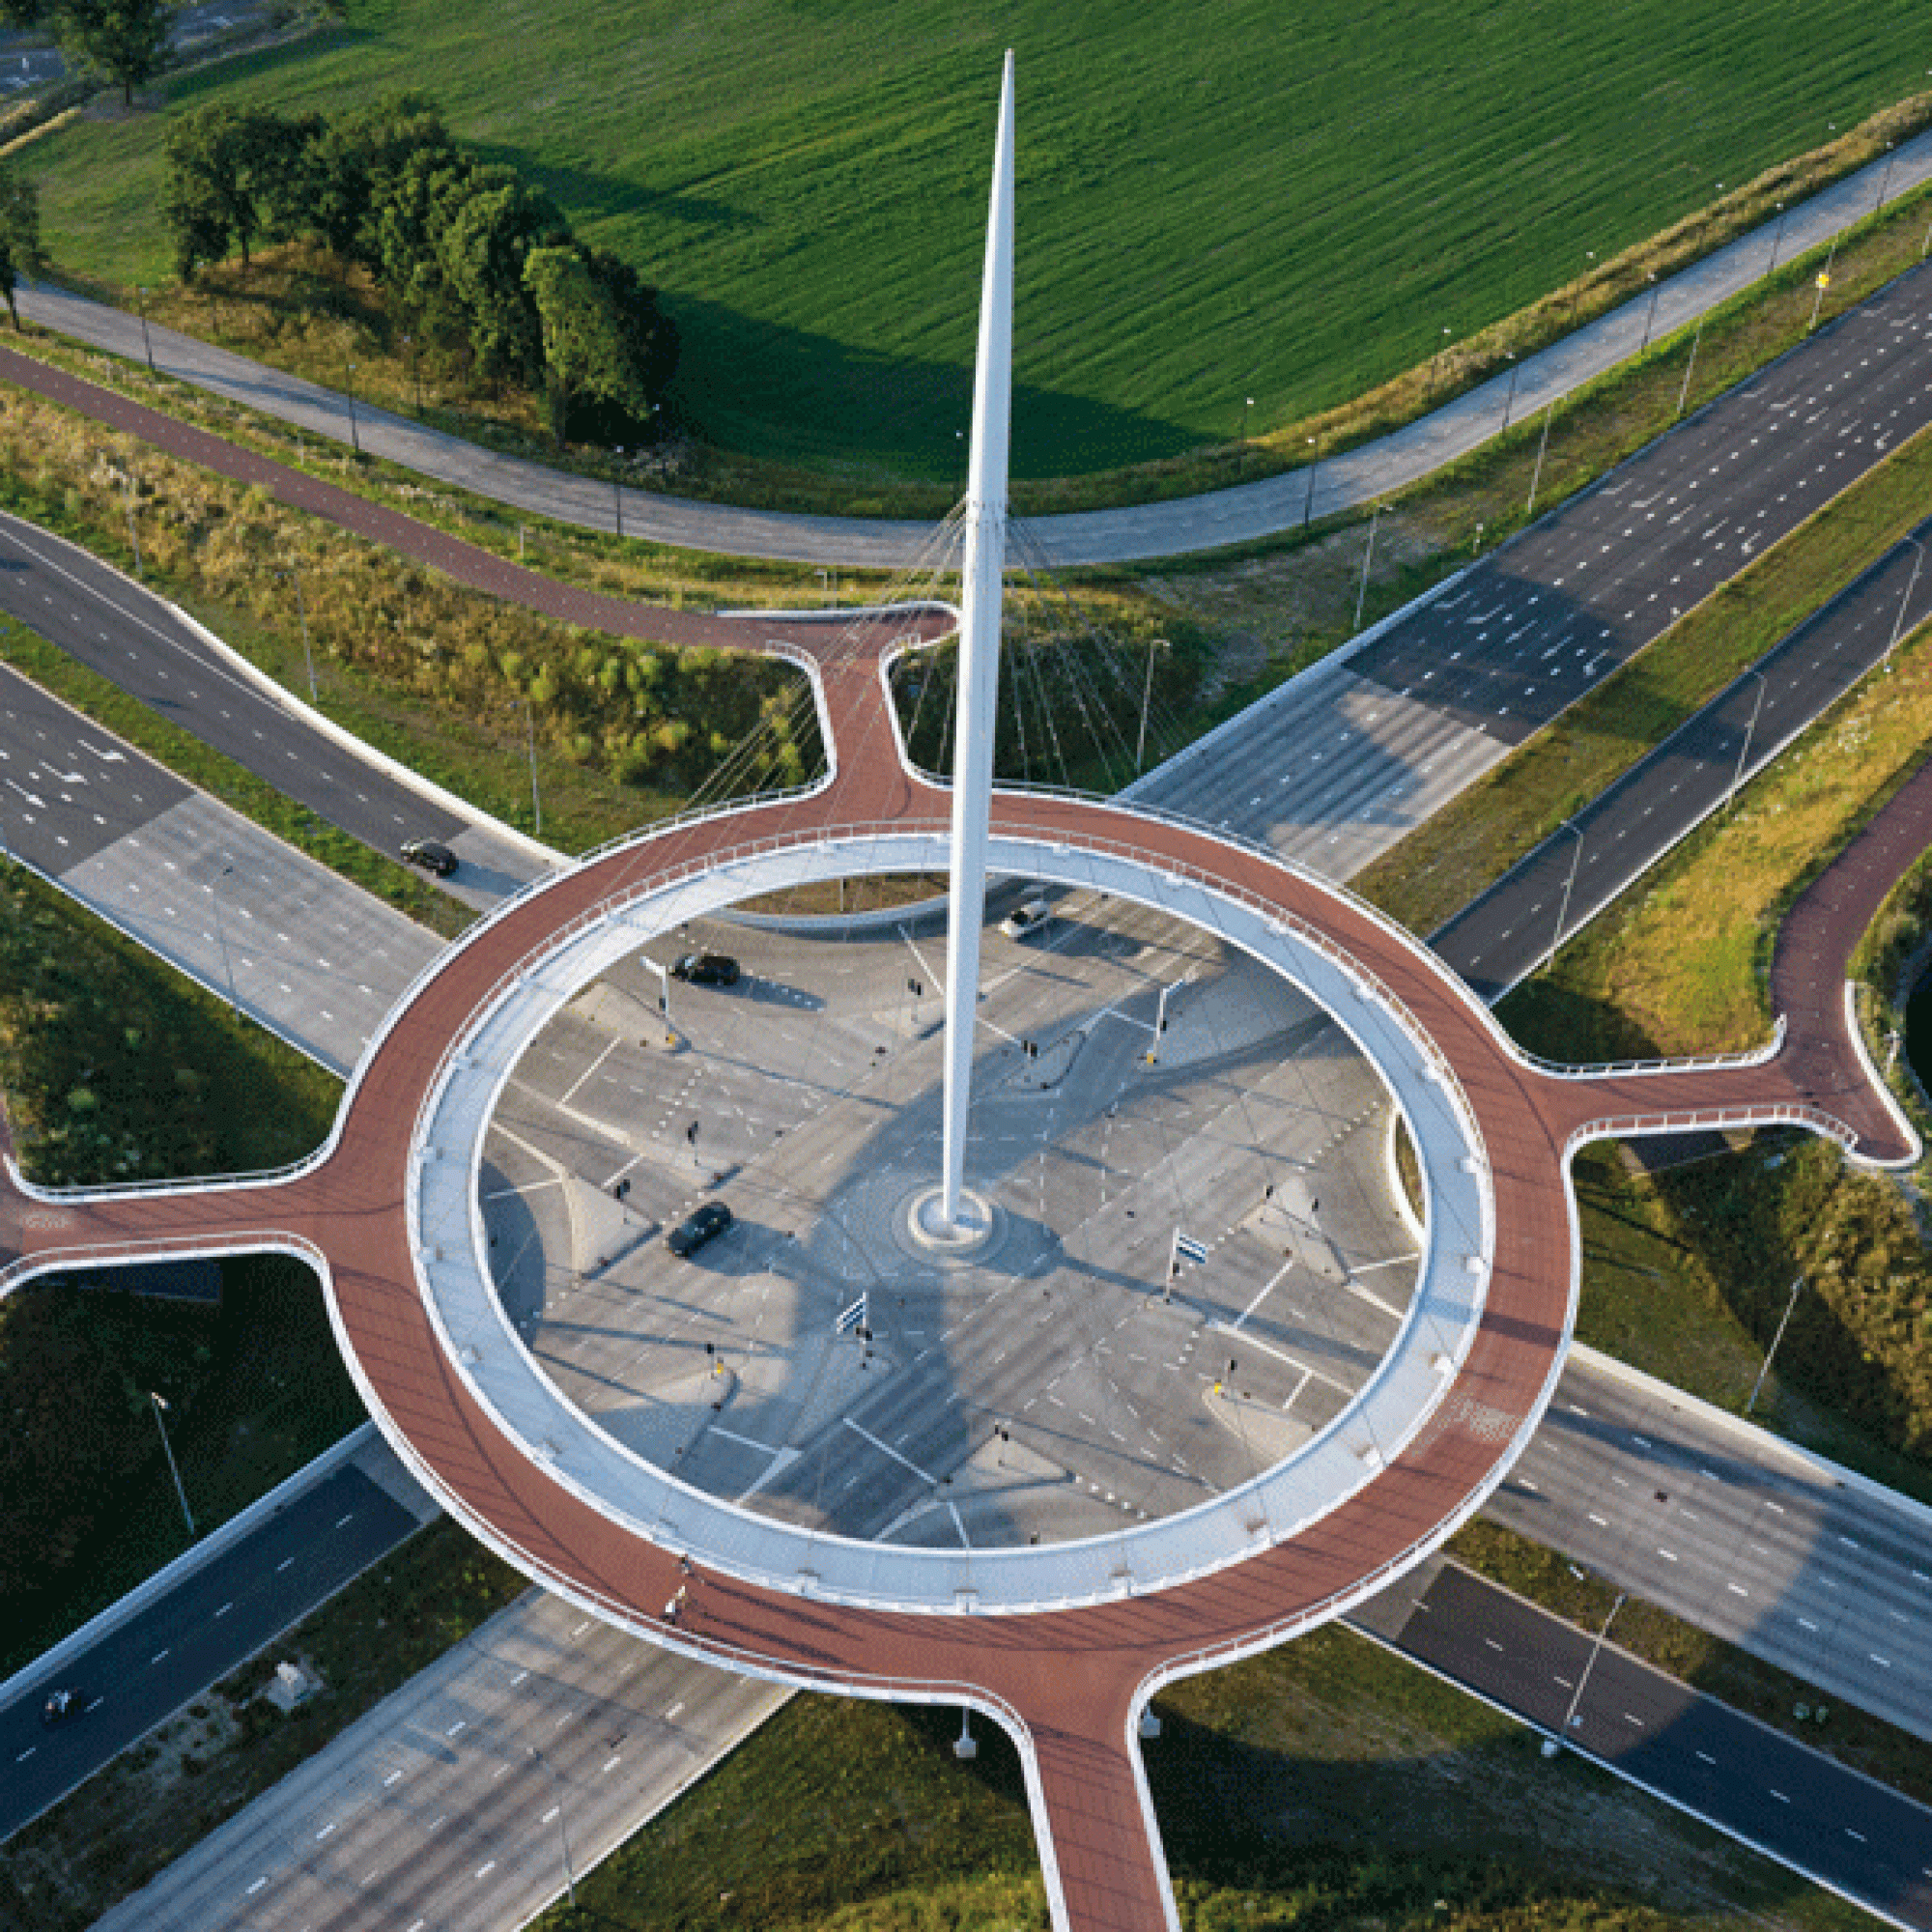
(1061, 1644)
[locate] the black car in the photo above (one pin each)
(705, 1225)
(61, 1705)
(431, 855)
(707, 969)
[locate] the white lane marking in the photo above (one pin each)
(324, 1831)
(256, 1887)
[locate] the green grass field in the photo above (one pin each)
(1218, 201)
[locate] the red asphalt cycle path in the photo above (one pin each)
(1068, 1683)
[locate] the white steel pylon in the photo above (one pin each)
(984, 580)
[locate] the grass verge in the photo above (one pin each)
(1324, 1784)
(116, 1069)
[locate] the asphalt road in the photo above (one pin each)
(452, 1805)
(1326, 764)
(216, 1618)
(1503, 936)
(137, 641)
(1722, 1526)
(1244, 514)
(1742, 1776)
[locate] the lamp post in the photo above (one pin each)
(1650, 319)
(133, 535)
(536, 802)
(1683, 394)
(1368, 558)
(1569, 886)
(416, 374)
(1904, 602)
(1146, 698)
(1777, 241)
(1509, 395)
(1569, 1717)
(563, 1830)
(1435, 363)
(147, 340)
(354, 432)
(1885, 180)
(293, 576)
(1783, 1319)
(168, 1450)
(1542, 448)
(1577, 287)
(1308, 501)
(1744, 752)
(221, 939)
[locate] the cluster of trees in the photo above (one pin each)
(466, 252)
(125, 40)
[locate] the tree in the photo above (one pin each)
(20, 250)
(125, 40)
(481, 247)
(586, 348)
(211, 201)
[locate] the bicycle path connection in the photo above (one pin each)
(1247, 513)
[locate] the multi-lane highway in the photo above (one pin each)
(1336, 765)
(543, 1738)
(219, 1614)
(1850, 1834)
(1574, 874)
(145, 645)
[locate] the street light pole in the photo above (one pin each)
(301, 612)
(147, 340)
(1684, 394)
(1569, 886)
(536, 802)
(1884, 181)
(1368, 558)
(562, 1828)
(1542, 448)
(1435, 363)
(1904, 602)
(1509, 400)
(1777, 241)
(1650, 319)
(1757, 1386)
(354, 431)
(1146, 698)
(222, 934)
(1743, 753)
(1590, 1664)
(168, 1449)
(133, 535)
(1308, 501)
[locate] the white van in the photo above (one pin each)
(1026, 919)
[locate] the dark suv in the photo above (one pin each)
(705, 1225)
(707, 969)
(431, 855)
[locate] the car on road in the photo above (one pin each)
(62, 1705)
(1026, 919)
(431, 855)
(691, 1233)
(707, 969)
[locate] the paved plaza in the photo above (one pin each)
(1054, 1384)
